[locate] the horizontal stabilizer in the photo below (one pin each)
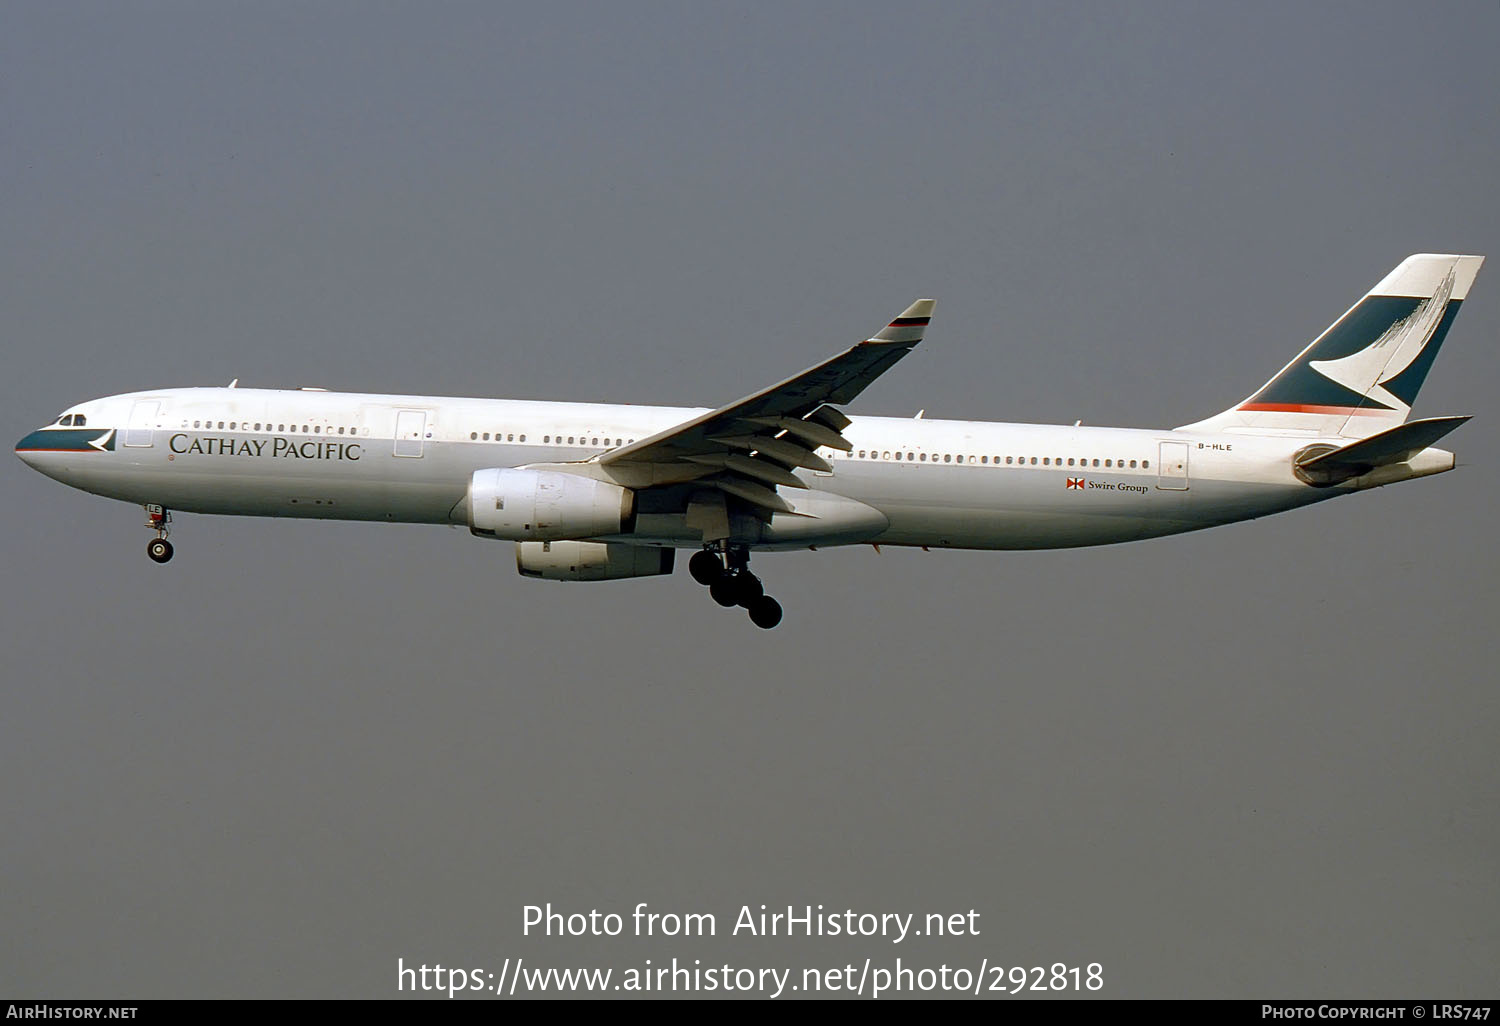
(1395, 445)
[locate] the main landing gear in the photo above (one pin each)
(727, 574)
(157, 518)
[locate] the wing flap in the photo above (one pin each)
(810, 431)
(761, 470)
(779, 449)
(755, 494)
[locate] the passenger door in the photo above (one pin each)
(142, 423)
(411, 432)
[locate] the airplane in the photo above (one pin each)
(595, 492)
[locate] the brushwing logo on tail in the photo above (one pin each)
(1367, 371)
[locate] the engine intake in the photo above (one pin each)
(591, 561)
(545, 505)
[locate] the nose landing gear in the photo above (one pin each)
(727, 574)
(157, 518)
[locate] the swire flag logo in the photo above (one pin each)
(1075, 482)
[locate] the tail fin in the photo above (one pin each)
(1361, 376)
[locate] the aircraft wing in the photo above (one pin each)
(752, 445)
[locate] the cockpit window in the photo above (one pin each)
(65, 421)
(79, 420)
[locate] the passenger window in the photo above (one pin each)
(885, 455)
(231, 425)
(1046, 461)
(898, 455)
(280, 427)
(523, 438)
(1109, 463)
(923, 457)
(221, 425)
(510, 438)
(317, 429)
(304, 429)
(474, 436)
(1033, 461)
(1132, 464)
(195, 423)
(1145, 463)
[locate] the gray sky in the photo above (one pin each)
(1253, 761)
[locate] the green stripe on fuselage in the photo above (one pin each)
(66, 440)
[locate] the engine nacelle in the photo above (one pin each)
(591, 561)
(545, 505)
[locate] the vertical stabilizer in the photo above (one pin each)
(1361, 376)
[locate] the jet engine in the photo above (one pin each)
(591, 561)
(545, 505)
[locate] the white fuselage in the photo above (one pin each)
(958, 484)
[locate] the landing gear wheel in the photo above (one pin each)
(748, 588)
(724, 591)
(765, 612)
(705, 567)
(159, 549)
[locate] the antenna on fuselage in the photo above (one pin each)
(235, 383)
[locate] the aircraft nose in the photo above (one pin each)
(26, 449)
